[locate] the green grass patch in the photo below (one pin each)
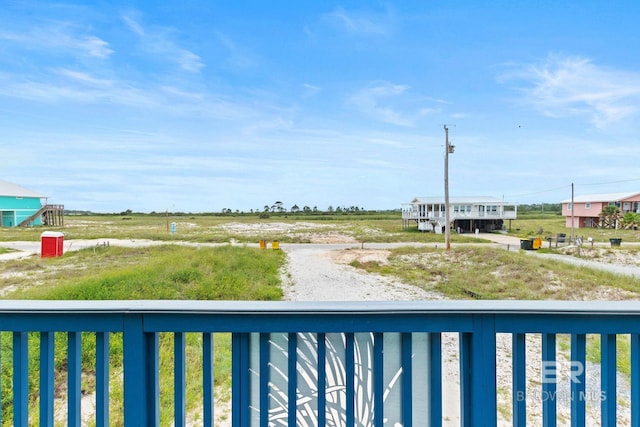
(156, 272)
(491, 273)
(161, 272)
(623, 352)
(366, 227)
(528, 226)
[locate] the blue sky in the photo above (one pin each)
(201, 105)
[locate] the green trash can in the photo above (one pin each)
(615, 242)
(526, 244)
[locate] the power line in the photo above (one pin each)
(611, 182)
(569, 185)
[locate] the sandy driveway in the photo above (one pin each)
(314, 273)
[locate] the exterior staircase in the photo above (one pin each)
(52, 215)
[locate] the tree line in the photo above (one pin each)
(279, 208)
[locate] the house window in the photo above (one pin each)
(570, 206)
(587, 205)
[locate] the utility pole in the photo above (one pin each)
(572, 211)
(447, 150)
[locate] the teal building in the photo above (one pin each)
(18, 205)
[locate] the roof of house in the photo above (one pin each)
(604, 197)
(473, 200)
(14, 190)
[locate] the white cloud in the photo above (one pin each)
(133, 25)
(84, 78)
(238, 58)
(160, 41)
(390, 103)
(62, 38)
(360, 23)
(188, 61)
(71, 86)
(574, 85)
(95, 47)
(310, 90)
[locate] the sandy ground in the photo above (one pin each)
(320, 272)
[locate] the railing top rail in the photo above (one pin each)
(442, 307)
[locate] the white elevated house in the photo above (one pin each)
(465, 213)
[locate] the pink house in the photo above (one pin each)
(586, 209)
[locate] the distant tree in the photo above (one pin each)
(306, 209)
(295, 209)
(266, 208)
(330, 208)
(277, 207)
(315, 209)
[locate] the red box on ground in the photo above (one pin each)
(51, 244)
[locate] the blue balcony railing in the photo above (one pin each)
(328, 363)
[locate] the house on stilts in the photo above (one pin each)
(467, 214)
(20, 207)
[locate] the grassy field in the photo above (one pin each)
(242, 228)
(550, 224)
(373, 227)
(228, 272)
(159, 272)
(491, 273)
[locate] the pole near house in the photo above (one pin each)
(447, 229)
(572, 211)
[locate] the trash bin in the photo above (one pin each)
(561, 237)
(51, 244)
(275, 245)
(526, 244)
(615, 242)
(536, 243)
(263, 244)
